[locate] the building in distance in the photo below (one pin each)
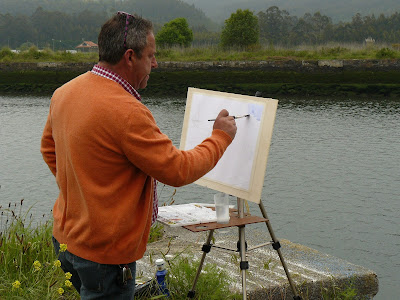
(87, 46)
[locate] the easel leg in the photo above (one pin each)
(276, 245)
(244, 264)
(206, 248)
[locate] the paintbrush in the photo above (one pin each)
(235, 117)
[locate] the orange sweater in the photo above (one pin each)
(103, 146)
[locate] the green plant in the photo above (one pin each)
(386, 53)
(240, 30)
(182, 269)
(215, 53)
(6, 52)
(396, 46)
(156, 232)
(181, 273)
(175, 32)
(334, 52)
(29, 267)
(339, 292)
(35, 55)
(267, 264)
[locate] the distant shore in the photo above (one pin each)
(285, 77)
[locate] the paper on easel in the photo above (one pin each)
(185, 214)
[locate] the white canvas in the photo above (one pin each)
(229, 170)
(240, 169)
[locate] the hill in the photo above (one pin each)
(158, 11)
(339, 10)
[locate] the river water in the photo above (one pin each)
(332, 181)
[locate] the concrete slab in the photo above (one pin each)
(316, 274)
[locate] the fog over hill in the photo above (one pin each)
(338, 10)
(158, 11)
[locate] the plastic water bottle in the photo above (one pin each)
(160, 275)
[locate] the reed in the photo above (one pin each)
(216, 53)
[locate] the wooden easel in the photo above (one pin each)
(262, 112)
(239, 219)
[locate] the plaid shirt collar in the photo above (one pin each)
(106, 73)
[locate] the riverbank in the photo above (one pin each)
(286, 77)
(316, 275)
(31, 269)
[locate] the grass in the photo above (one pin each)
(337, 292)
(34, 55)
(215, 53)
(329, 51)
(29, 267)
(181, 273)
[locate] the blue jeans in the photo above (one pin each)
(93, 280)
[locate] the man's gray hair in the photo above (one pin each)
(111, 40)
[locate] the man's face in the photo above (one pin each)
(142, 66)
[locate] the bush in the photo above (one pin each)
(386, 53)
(6, 52)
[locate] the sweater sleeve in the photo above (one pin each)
(154, 153)
(47, 148)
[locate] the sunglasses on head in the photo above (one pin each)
(126, 23)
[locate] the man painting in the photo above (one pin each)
(105, 150)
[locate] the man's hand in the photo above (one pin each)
(226, 123)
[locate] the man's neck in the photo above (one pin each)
(117, 68)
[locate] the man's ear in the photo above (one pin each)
(129, 56)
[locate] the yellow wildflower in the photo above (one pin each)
(63, 247)
(68, 283)
(37, 265)
(57, 263)
(68, 275)
(16, 284)
(60, 291)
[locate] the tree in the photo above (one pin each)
(275, 25)
(240, 30)
(175, 32)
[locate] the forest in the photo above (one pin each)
(338, 10)
(279, 27)
(159, 11)
(63, 24)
